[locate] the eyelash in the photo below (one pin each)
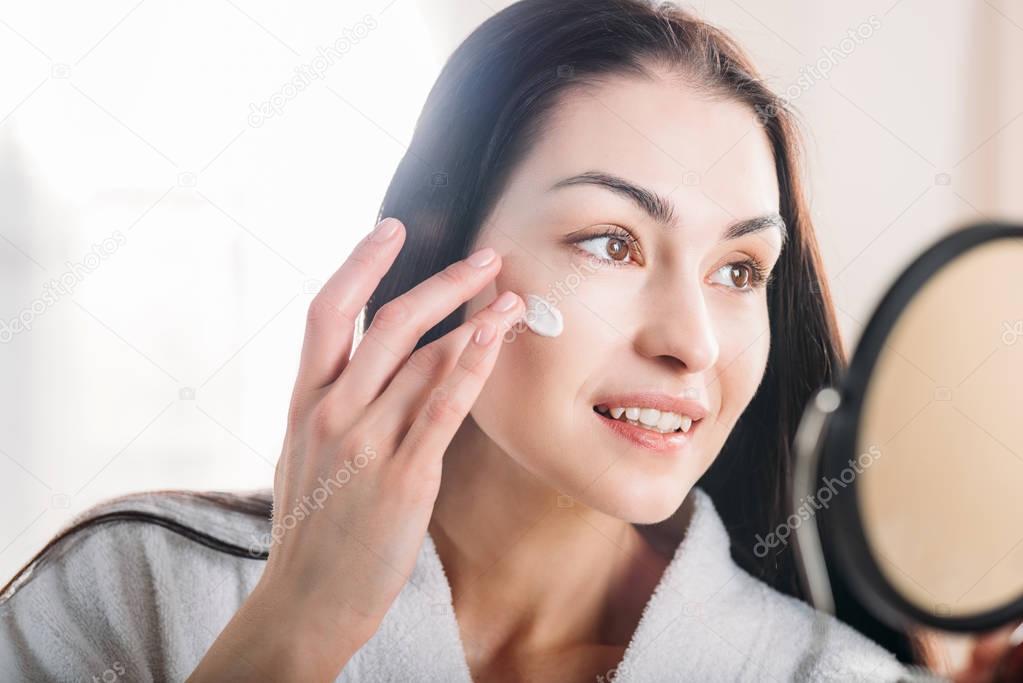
(759, 275)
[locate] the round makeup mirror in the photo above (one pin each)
(913, 467)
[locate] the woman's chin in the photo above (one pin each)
(642, 501)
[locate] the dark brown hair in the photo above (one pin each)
(487, 109)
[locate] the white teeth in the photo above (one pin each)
(650, 418)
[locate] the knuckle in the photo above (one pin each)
(472, 364)
(441, 407)
(323, 422)
(355, 441)
(322, 309)
(425, 360)
(392, 314)
(454, 275)
(418, 480)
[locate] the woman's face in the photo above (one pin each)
(665, 305)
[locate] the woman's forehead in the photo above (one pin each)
(708, 159)
(660, 135)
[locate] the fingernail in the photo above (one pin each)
(485, 334)
(482, 257)
(505, 302)
(385, 230)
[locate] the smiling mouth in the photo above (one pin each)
(654, 421)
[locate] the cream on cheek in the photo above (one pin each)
(543, 316)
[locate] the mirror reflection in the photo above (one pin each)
(941, 503)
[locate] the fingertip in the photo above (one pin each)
(485, 333)
(386, 230)
(507, 301)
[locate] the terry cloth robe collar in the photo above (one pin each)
(706, 620)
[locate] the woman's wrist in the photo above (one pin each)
(274, 637)
(315, 624)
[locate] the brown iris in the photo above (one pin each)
(617, 249)
(741, 276)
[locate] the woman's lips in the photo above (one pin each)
(655, 441)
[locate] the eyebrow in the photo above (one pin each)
(662, 209)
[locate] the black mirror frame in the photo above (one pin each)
(852, 556)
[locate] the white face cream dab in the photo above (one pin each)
(543, 317)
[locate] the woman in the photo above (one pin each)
(504, 504)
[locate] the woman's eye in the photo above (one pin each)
(741, 276)
(607, 248)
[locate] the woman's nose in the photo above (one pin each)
(680, 327)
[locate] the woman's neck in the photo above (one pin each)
(530, 568)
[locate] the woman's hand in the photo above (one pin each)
(995, 657)
(991, 657)
(360, 469)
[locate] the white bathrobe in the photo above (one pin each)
(134, 601)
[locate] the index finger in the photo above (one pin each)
(330, 322)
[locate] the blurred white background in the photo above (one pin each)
(190, 232)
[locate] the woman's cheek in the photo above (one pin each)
(744, 343)
(529, 369)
